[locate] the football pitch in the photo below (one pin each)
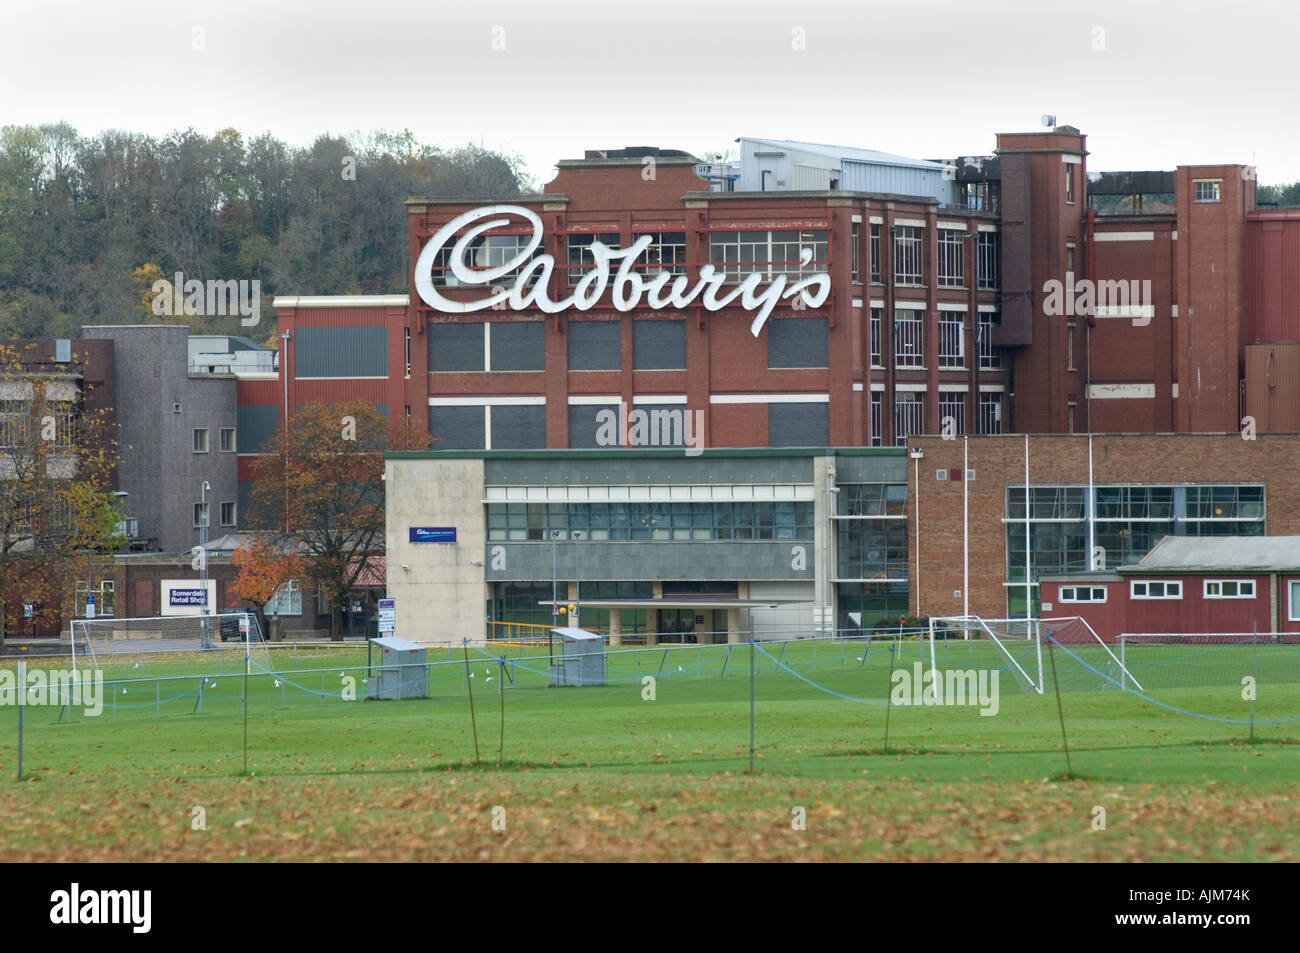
(850, 761)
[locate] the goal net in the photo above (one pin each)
(95, 642)
(1016, 646)
(1193, 660)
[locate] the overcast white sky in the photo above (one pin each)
(1153, 84)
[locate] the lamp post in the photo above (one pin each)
(203, 555)
(284, 376)
(826, 556)
(555, 584)
(575, 620)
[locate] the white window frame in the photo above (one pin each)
(909, 254)
(909, 327)
(951, 271)
(909, 416)
(876, 328)
(1091, 591)
(990, 411)
(233, 444)
(990, 359)
(222, 513)
(1214, 185)
(195, 445)
(952, 330)
(953, 404)
(1147, 583)
(1293, 600)
(1213, 588)
(202, 514)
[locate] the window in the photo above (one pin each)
(952, 342)
(227, 439)
(1156, 590)
(909, 417)
(877, 420)
(580, 257)
(1083, 593)
(227, 514)
(666, 253)
(1069, 258)
(1070, 328)
(769, 253)
(875, 254)
(1071, 407)
(989, 357)
(988, 261)
(1069, 183)
(722, 520)
(952, 414)
(200, 514)
(856, 267)
(876, 314)
(990, 413)
(201, 440)
(1229, 588)
(1207, 190)
(15, 417)
(909, 339)
(287, 600)
(1294, 614)
(908, 249)
(485, 251)
(951, 271)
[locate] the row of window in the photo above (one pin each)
(909, 415)
(909, 340)
(227, 439)
(759, 520)
(768, 252)
(1164, 589)
(201, 514)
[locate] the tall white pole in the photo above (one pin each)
(916, 469)
(1092, 529)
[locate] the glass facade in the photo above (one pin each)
(1128, 521)
(871, 540)
(757, 520)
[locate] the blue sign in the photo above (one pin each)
(433, 534)
(197, 596)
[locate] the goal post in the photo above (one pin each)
(1020, 642)
(96, 640)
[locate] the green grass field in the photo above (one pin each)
(600, 772)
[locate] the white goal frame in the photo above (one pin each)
(84, 631)
(1033, 631)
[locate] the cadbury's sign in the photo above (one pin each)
(662, 291)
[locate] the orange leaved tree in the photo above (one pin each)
(318, 490)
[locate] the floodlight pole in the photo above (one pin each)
(203, 557)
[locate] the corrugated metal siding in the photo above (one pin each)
(1273, 386)
(1273, 246)
(340, 352)
(254, 425)
(809, 178)
(897, 180)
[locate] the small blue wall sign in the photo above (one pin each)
(433, 534)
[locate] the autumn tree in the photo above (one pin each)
(264, 565)
(58, 519)
(318, 490)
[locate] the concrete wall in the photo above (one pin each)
(441, 597)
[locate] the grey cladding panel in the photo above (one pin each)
(798, 425)
(798, 342)
(518, 427)
(456, 347)
(658, 345)
(583, 425)
(594, 345)
(519, 346)
(253, 425)
(458, 428)
(340, 352)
